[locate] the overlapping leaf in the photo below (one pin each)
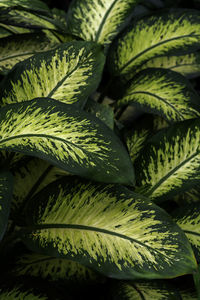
(13, 30)
(163, 92)
(16, 48)
(35, 5)
(188, 218)
(17, 293)
(98, 21)
(109, 228)
(169, 163)
(188, 65)
(52, 268)
(70, 73)
(167, 34)
(29, 179)
(144, 290)
(6, 184)
(70, 139)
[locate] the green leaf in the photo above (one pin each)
(188, 219)
(6, 184)
(144, 290)
(17, 293)
(101, 111)
(189, 196)
(169, 163)
(13, 29)
(98, 21)
(163, 92)
(165, 34)
(30, 178)
(60, 16)
(21, 17)
(16, 48)
(70, 73)
(69, 138)
(35, 5)
(187, 65)
(107, 228)
(188, 294)
(52, 268)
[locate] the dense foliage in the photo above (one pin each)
(99, 149)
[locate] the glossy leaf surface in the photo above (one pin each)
(69, 138)
(169, 164)
(98, 21)
(171, 33)
(70, 73)
(108, 228)
(163, 92)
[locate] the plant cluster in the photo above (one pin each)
(99, 150)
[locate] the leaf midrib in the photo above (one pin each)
(104, 21)
(158, 97)
(90, 228)
(44, 136)
(154, 46)
(163, 179)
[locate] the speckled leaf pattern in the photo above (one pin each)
(169, 163)
(187, 65)
(166, 34)
(144, 290)
(135, 141)
(16, 293)
(16, 48)
(34, 174)
(163, 92)
(98, 21)
(6, 185)
(69, 138)
(108, 228)
(53, 268)
(33, 5)
(188, 219)
(70, 73)
(13, 29)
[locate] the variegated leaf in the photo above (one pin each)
(144, 290)
(17, 293)
(70, 73)
(163, 92)
(14, 29)
(188, 65)
(29, 179)
(6, 185)
(169, 163)
(108, 228)
(101, 111)
(188, 219)
(189, 196)
(69, 138)
(60, 16)
(166, 34)
(16, 48)
(52, 268)
(98, 21)
(35, 5)
(22, 17)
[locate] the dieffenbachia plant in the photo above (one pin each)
(99, 150)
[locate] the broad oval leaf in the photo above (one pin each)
(188, 219)
(6, 186)
(144, 290)
(52, 268)
(107, 228)
(98, 21)
(70, 73)
(171, 33)
(187, 65)
(169, 163)
(69, 138)
(16, 48)
(163, 92)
